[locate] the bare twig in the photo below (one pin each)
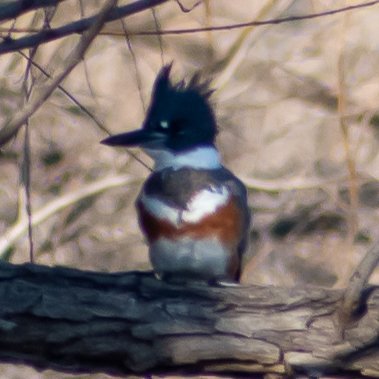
(26, 173)
(20, 228)
(12, 9)
(159, 37)
(253, 23)
(289, 184)
(139, 85)
(245, 41)
(11, 127)
(79, 26)
(28, 84)
(187, 10)
(208, 21)
(344, 127)
(83, 108)
(27, 183)
(358, 282)
(85, 65)
(135, 65)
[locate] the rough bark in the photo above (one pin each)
(79, 321)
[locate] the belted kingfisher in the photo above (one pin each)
(192, 210)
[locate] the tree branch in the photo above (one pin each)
(12, 9)
(79, 26)
(274, 21)
(18, 229)
(352, 299)
(12, 126)
(77, 321)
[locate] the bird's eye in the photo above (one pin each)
(164, 124)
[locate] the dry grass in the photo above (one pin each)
(297, 109)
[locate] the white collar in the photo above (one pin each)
(201, 158)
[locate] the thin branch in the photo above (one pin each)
(345, 132)
(8, 30)
(26, 170)
(44, 36)
(159, 37)
(11, 127)
(20, 228)
(13, 9)
(274, 21)
(79, 26)
(289, 184)
(187, 10)
(139, 85)
(358, 281)
(27, 183)
(246, 40)
(28, 85)
(83, 108)
(85, 65)
(135, 65)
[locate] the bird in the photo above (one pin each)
(192, 210)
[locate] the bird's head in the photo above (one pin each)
(179, 119)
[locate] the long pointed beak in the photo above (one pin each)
(140, 137)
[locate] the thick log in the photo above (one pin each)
(77, 321)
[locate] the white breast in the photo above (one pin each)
(204, 203)
(206, 258)
(201, 205)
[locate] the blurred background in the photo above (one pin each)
(297, 108)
